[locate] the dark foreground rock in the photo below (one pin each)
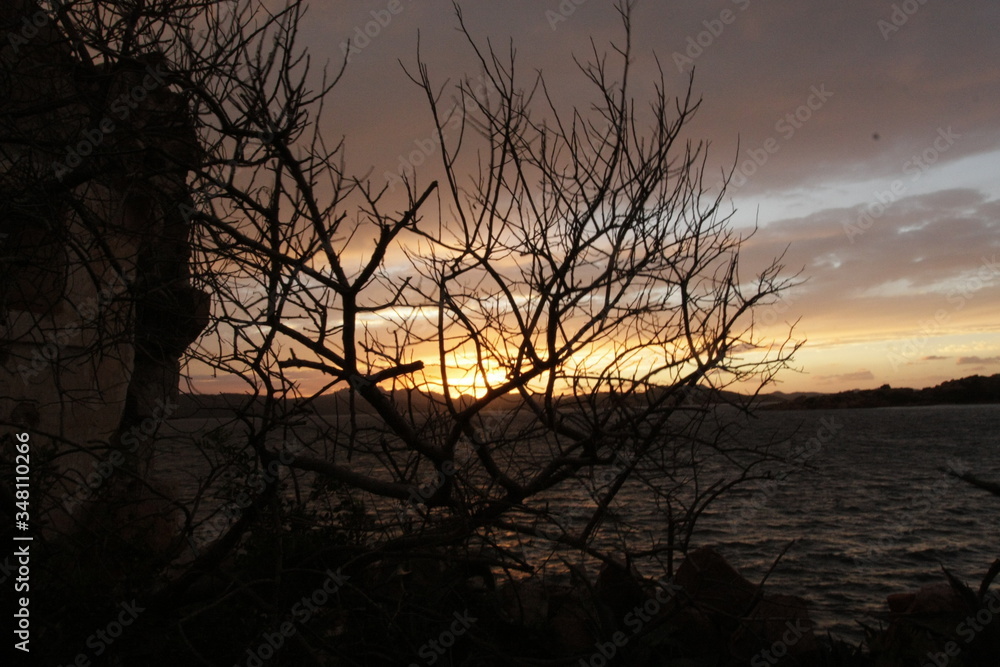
(944, 624)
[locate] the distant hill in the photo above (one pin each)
(968, 390)
(338, 402)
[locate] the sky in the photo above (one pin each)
(868, 135)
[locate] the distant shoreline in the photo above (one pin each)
(972, 390)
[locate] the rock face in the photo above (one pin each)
(96, 304)
(944, 623)
(723, 607)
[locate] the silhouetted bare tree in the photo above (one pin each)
(565, 320)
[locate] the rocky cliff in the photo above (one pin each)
(96, 305)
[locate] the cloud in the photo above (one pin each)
(939, 69)
(978, 361)
(925, 266)
(859, 376)
(935, 357)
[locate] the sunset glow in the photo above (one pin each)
(878, 179)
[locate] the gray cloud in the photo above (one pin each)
(978, 361)
(928, 255)
(941, 69)
(847, 378)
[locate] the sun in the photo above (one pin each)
(475, 384)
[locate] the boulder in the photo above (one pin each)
(618, 589)
(715, 588)
(939, 598)
(732, 609)
(925, 622)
